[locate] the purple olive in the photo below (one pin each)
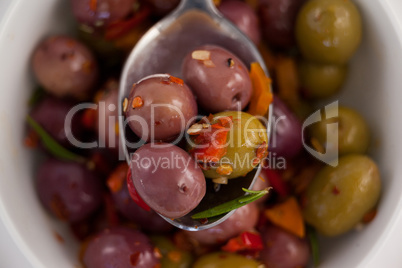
(68, 190)
(65, 67)
(283, 250)
(278, 18)
(147, 220)
(51, 114)
(286, 137)
(218, 78)
(167, 179)
(119, 247)
(162, 7)
(101, 12)
(159, 108)
(243, 16)
(243, 219)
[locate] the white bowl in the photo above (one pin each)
(373, 88)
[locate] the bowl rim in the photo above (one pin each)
(378, 251)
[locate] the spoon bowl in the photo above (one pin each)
(161, 50)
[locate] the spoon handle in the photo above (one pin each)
(206, 5)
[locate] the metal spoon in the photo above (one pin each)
(161, 50)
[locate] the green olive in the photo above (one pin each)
(225, 260)
(172, 257)
(329, 31)
(321, 80)
(354, 136)
(340, 196)
(246, 136)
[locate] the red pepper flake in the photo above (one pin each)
(93, 4)
(210, 118)
(89, 118)
(117, 178)
(335, 190)
(256, 161)
(87, 67)
(369, 216)
(203, 166)
(203, 221)
(175, 256)
(171, 79)
(70, 43)
(223, 256)
(134, 258)
(165, 81)
(226, 120)
(176, 80)
(262, 150)
(157, 253)
(31, 140)
(58, 207)
(58, 237)
(211, 143)
(224, 170)
(137, 102)
(211, 147)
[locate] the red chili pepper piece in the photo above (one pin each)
(276, 182)
(233, 245)
(252, 241)
(133, 193)
(31, 140)
(212, 143)
(245, 241)
(225, 121)
(116, 179)
(89, 118)
(119, 28)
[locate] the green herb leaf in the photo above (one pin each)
(315, 250)
(231, 205)
(51, 145)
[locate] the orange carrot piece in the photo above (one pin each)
(287, 80)
(261, 96)
(117, 178)
(288, 216)
(268, 56)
